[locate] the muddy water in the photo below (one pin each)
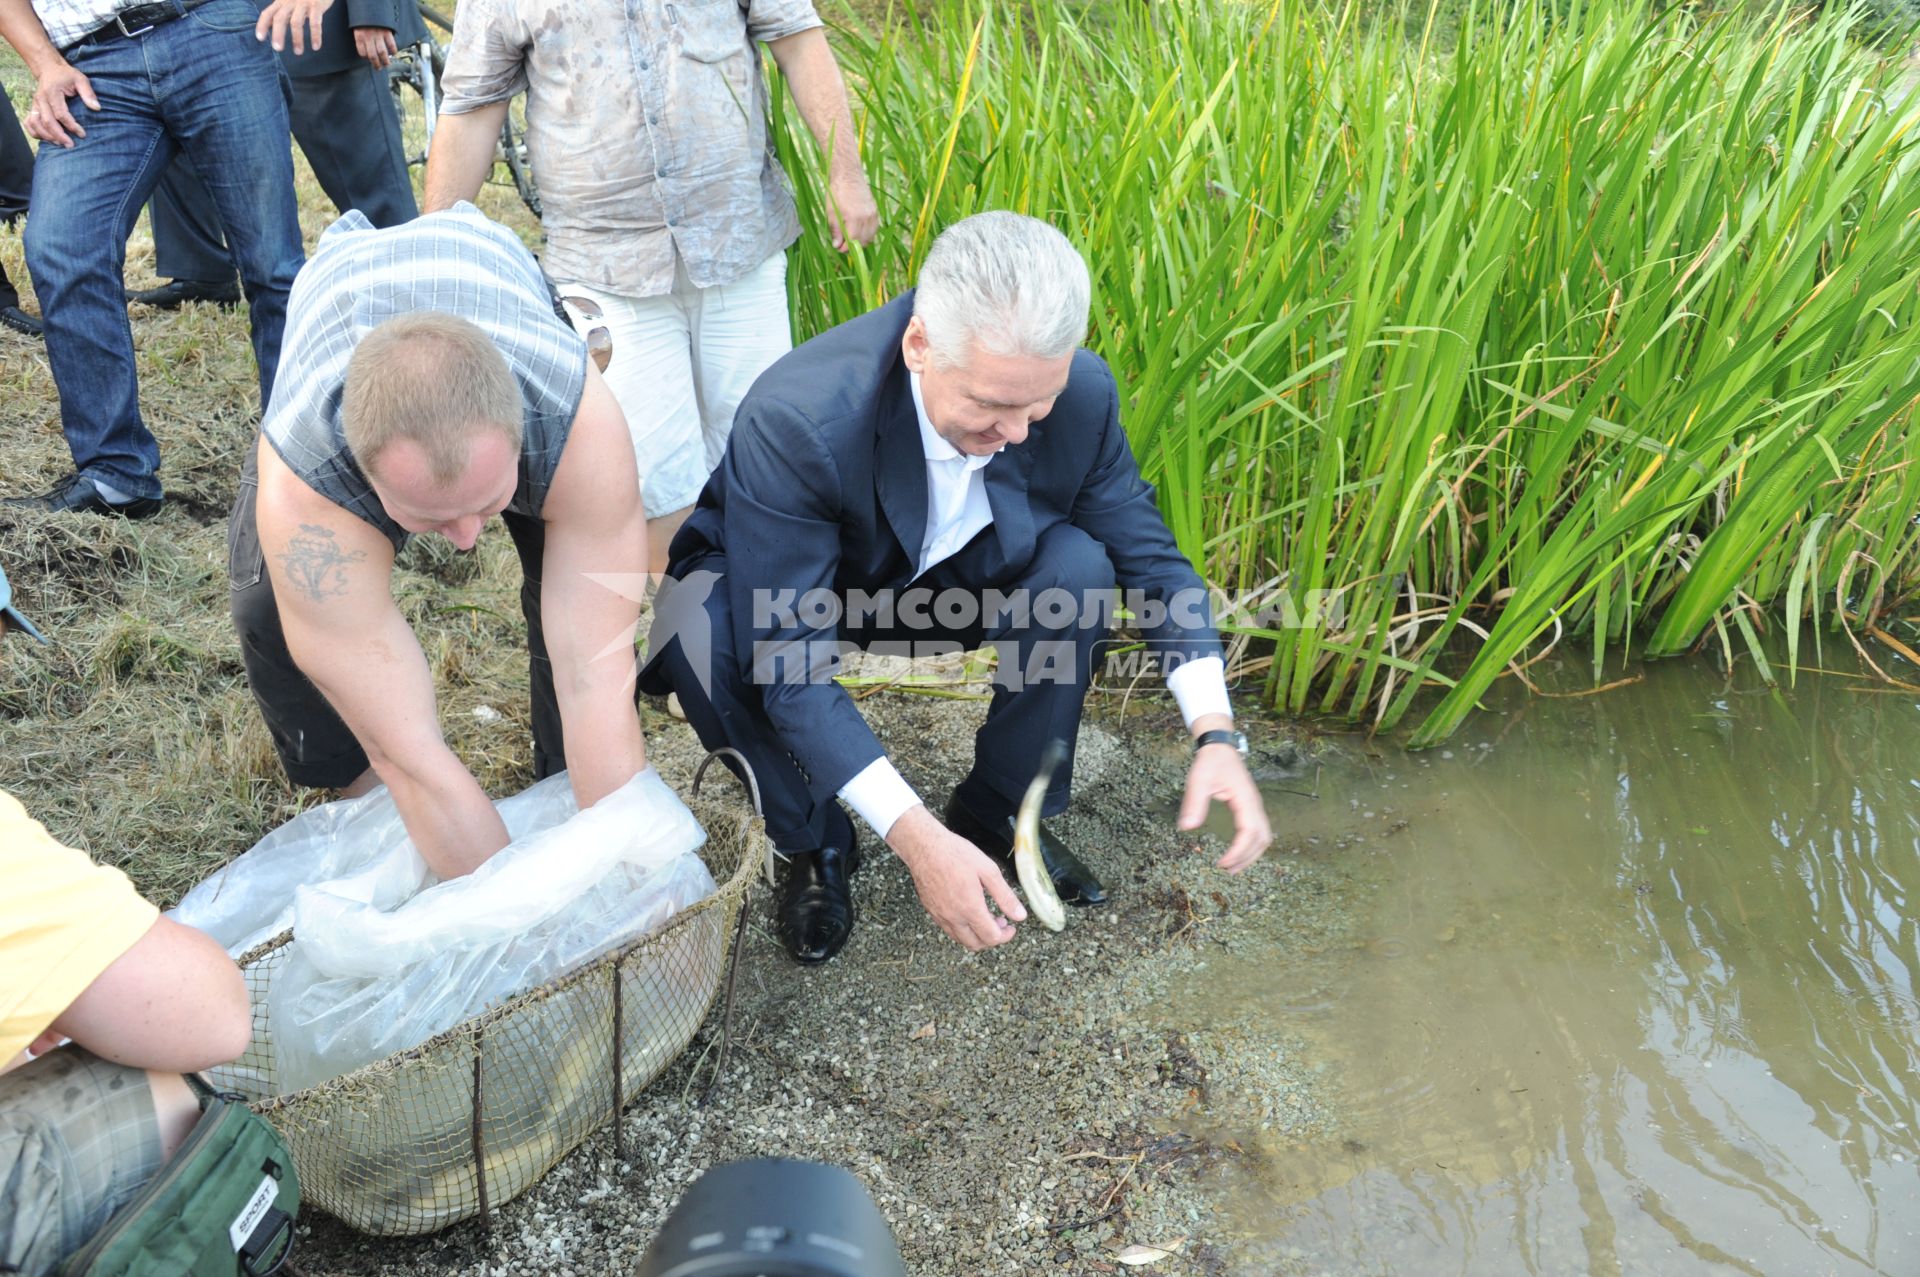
(1632, 990)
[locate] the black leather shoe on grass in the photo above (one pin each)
(176, 293)
(21, 322)
(76, 495)
(815, 913)
(1075, 883)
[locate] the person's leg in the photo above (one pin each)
(349, 129)
(690, 651)
(226, 103)
(738, 330)
(549, 739)
(651, 376)
(78, 1138)
(16, 183)
(1048, 639)
(187, 243)
(86, 199)
(316, 748)
(16, 163)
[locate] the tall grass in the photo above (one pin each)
(1599, 322)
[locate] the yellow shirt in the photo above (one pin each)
(63, 920)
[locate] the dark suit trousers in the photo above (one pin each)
(16, 163)
(16, 182)
(1044, 666)
(315, 746)
(347, 126)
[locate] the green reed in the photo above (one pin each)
(1597, 323)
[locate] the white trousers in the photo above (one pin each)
(681, 364)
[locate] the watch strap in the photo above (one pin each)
(1219, 736)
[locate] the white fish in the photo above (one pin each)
(1042, 899)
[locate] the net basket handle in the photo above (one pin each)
(746, 777)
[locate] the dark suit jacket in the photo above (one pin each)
(824, 484)
(336, 51)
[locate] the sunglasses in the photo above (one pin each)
(599, 339)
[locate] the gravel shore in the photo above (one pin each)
(1037, 1108)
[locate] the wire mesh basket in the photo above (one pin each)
(472, 1117)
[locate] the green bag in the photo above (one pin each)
(223, 1204)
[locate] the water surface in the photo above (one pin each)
(1633, 991)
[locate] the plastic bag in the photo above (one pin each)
(384, 955)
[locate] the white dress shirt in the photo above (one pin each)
(957, 509)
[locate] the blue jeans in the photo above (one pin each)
(348, 126)
(202, 85)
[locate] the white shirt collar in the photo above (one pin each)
(932, 445)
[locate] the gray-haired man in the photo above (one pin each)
(947, 470)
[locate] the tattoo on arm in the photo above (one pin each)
(315, 564)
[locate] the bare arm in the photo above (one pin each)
(462, 155)
(174, 1002)
(332, 578)
(807, 62)
(592, 574)
(50, 118)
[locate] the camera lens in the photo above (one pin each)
(774, 1218)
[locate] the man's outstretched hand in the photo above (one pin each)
(955, 879)
(1219, 774)
(298, 18)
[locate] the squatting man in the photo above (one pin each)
(427, 386)
(949, 468)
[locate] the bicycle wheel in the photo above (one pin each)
(513, 154)
(414, 77)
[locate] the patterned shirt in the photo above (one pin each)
(68, 20)
(646, 126)
(454, 261)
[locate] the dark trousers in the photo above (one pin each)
(16, 163)
(346, 124)
(16, 182)
(1040, 689)
(314, 745)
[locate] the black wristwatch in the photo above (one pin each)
(1221, 736)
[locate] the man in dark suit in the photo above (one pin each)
(345, 120)
(946, 471)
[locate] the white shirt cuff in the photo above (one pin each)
(880, 794)
(1199, 688)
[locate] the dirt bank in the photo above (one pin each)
(1032, 1109)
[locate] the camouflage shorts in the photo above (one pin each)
(78, 1137)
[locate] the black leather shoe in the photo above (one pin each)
(74, 494)
(176, 293)
(1073, 881)
(21, 322)
(815, 914)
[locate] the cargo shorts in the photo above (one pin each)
(78, 1138)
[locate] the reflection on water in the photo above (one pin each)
(1636, 993)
